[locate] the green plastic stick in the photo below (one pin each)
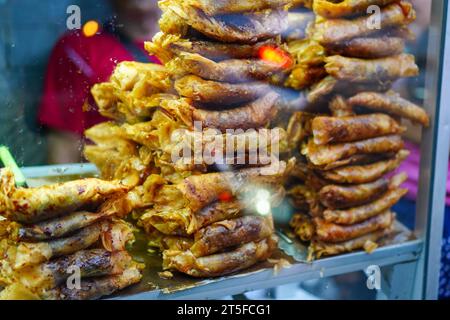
(9, 162)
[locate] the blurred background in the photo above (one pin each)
(29, 30)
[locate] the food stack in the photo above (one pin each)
(64, 241)
(346, 195)
(207, 209)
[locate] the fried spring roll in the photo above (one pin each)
(230, 233)
(339, 30)
(96, 288)
(90, 263)
(303, 226)
(329, 85)
(375, 70)
(232, 71)
(37, 204)
(358, 159)
(219, 93)
(340, 108)
(365, 173)
(215, 51)
(368, 48)
(343, 197)
(214, 7)
(368, 242)
(34, 253)
(334, 233)
(246, 28)
(338, 9)
(359, 214)
(218, 211)
(354, 128)
(322, 155)
(255, 114)
(219, 264)
(391, 103)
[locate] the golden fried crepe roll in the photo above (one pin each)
(246, 27)
(334, 233)
(339, 30)
(391, 103)
(303, 226)
(375, 70)
(90, 263)
(221, 210)
(354, 128)
(233, 71)
(255, 114)
(96, 288)
(198, 191)
(214, 7)
(367, 242)
(337, 9)
(168, 46)
(230, 233)
(220, 93)
(37, 204)
(26, 254)
(222, 263)
(328, 85)
(359, 214)
(357, 159)
(322, 155)
(368, 48)
(342, 197)
(365, 173)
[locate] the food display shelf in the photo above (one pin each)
(388, 259)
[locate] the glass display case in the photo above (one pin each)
(405, 267)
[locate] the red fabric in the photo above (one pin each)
(76, 64)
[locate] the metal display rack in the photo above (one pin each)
(409, 270)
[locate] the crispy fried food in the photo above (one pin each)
(96, 288)
(368, 48)
(37, 204)
(230, 233)
(132, 92)
(303, 76)
(359, 214)
(367, 242)
(60, 227)
(255, 114)
(392, 103)
(90, 263)
(357, 159)
(343, 197)
(218, 211)
(340, 108)
(322, 155)
(303, 226)
(26, 254)
(365, 173)
(220, 93)
(339, 30)
(322, 90)
(334, 233)
(354, 128)
(247, 27)
(233, 71)
(299, 127)
(302, 197)
(167, 46)
(375, 70)
(222, 263)
(338, 9)
(214, 7)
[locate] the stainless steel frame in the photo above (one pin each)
(435, 153)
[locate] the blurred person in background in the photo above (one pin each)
(414, 90)
(78, 61)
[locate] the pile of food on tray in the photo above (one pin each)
(69, 230)
(349, 150)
